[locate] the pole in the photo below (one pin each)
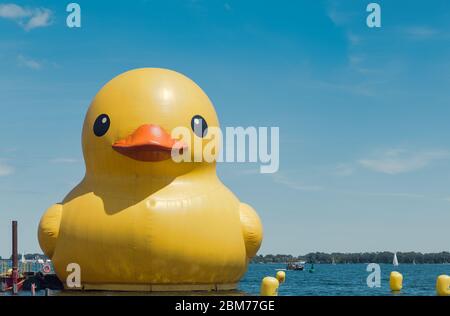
(15, 261)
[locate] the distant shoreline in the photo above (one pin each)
(335, 257)
(358, 257)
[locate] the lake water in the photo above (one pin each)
(345, 279)
(327, 279)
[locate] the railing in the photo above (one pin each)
(24, 267)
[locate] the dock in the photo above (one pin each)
(36, 273)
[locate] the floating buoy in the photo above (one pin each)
(46, 268)
(281, 276)
(396, 281)
(269, 286)
(443, 285)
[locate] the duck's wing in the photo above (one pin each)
(48, 230)
(251, 229)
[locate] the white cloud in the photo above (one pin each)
(395, 161)
(353, 88)
(5, 169)
(12, 11)
(295, 185)
(402, 195)
(344, 170)
(361, 64)
(28, 62)
(40, 18)
(337, 17)
(64, 160)
(354, 39)
(27, 18)
(420, 32)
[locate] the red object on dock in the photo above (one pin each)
(8, 284)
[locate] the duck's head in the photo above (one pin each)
(127, 129)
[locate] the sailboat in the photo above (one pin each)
(332, 261)
(395, 261)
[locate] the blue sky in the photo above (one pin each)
(363, 113)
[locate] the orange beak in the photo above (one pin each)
(148, 143)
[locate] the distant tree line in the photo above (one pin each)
(337, 257)
(364, 257)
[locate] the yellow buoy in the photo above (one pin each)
(269, 286)
(281, 276)
(396, 281)
(443, 285)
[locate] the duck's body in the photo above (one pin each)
(175, 236)
(151, 231)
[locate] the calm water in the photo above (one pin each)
(345, 279)
(327, 279)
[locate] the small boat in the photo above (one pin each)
(395, 261)
(296, 266)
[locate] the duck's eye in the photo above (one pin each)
(101, 125)
(199, 126)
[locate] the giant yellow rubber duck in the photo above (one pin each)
(140, 220)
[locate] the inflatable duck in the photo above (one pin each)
(139, 220)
